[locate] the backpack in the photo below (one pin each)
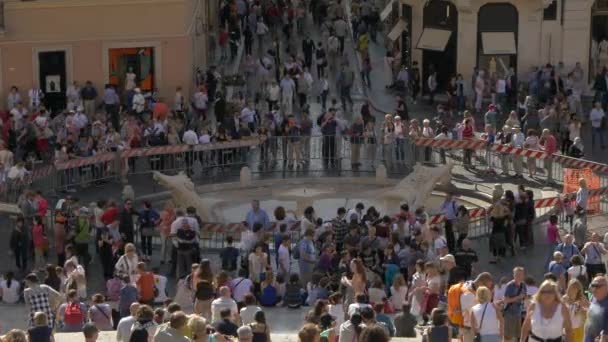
(204, 290)
(296, 251)
(269, 296)
(73, 314)
(185, 235)
(454, 309)
(139, 334)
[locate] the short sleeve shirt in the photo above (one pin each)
(514, 290)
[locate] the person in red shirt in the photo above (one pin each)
(468, 133)
(42, 203)
(145, 284)
(110, 214)
(549, 145)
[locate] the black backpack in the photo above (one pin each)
(186, 237)
(204, 290)
(139, 334)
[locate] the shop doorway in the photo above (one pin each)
(439, 41)
(138, 61)
(497, 34)
(598, 56)
(52, 79)
(406, 36)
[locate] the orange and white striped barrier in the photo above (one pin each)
(475, 213)
(99, 158)
(475, 144)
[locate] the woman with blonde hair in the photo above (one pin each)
(197, 326)
(309, 333)
(14, 335)
(577, 305)
(204, 289)
(547, 318)
(359, 280)
(486, 318)
(399, 292)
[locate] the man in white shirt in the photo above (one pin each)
(517, 141)
(139, 101)
(18, 113)
(357, 211)
(190, 137)
(123, 329)
(224, 302)
(596, 116)
(284, 260)
(468, 300)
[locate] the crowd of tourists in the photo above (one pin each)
(361, 275)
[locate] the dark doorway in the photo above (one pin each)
(52, 78)
(406, 36)
(494, 18)
(440, 14)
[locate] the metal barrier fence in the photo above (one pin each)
(274, 156)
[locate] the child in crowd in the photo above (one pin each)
(399, 292)
(553, 238)
(569, 206)
(41, 332)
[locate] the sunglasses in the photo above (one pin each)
(596, 285)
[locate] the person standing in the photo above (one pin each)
(39, 297)
(89, 95)
(356, 139)
(257, 215)
(111, 102)
(517, 141)
(547, 318)
(431, 83)
(448, 210)
(415, 81)
(308, 256)
(596, 116)
(593, 251)
(596, 322)
(288, 88)
(345, 81)
(515, 294)
(549, 145)
(328, 125)
(125, 226)
(340, 27)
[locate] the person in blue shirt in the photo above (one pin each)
(384, 318)
(448, 209)
(568, 250)
(257, 215)
(597, 315)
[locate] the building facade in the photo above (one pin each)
(456, 36)
(50, 44)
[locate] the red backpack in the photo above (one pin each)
(73, 314)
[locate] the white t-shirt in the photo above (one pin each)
(248, 312)
(575, 271)
(337, 311)
(499, 293)
(10, 295)
(596, 117)
(399, 297)
(123, 330)
(489, 325)
(220, 304)
(467, 302)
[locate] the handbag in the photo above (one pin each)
(477, 337)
